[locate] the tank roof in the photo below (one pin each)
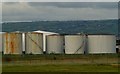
(34, 33)
(55, 35)
(39, 31)
(2, 32)
(101, 34)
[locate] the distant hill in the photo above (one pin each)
(64, 27)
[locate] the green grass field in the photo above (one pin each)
(61, 63)
(60, 68)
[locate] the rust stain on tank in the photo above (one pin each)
(16, 41)
(12, 42)
(6, 37)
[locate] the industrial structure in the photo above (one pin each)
(55, 44)
(38, 42)
(118, 45)
(1, 41)
(12, 43)
(33, 43)
(74, 44)
(45, 33)
(101, 44)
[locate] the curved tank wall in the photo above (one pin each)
(33, 43)
(1, 42)
(74, 44)
(45, 33)
(55, 44)
(23, 42)
(101, 44)
(12, 43)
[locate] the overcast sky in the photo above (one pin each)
(60, 0)
(36, 11)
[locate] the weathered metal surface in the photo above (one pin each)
(55, 44)
(34, 43)
(12, 43)
(74, 44)
(101, 44)
(1, 44)
(45, 33)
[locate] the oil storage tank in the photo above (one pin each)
(12, 43)
(33, 43)
(1, 41)
(55, 44)
(101, 44)
(45, 33)
(74, 44)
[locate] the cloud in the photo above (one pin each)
(0, 13)
(24, 11)
(61, 0)
(77, 4)
(12, 9)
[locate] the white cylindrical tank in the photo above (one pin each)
(101, 44)
(74, 44)
(12, 43)
(45, 33)
(33, 43)
(55, 44)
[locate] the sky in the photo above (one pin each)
(60, 0)
(62, 11)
